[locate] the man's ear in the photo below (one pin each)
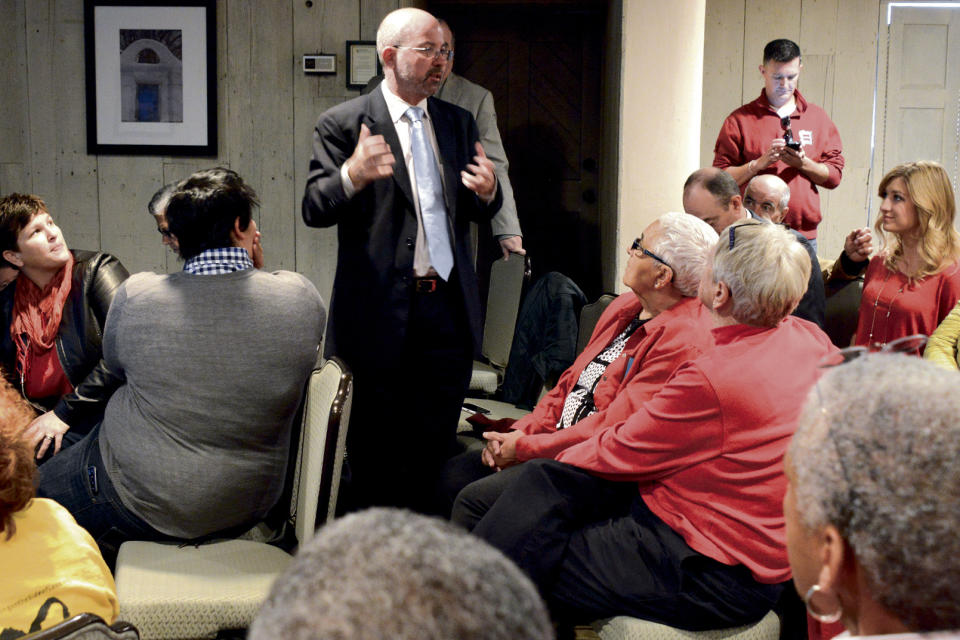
(13, 257)
(236, 234)
(783, 214)
(664, 276)
(736, 202)
(389, 55)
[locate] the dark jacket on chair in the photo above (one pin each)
(545, 342)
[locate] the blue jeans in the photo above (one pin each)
(77, 479)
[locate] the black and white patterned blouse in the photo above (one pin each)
(579, 402)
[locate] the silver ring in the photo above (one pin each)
(48, 437)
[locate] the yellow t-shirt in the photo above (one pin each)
(51, 571)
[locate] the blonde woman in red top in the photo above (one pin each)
(914, 281)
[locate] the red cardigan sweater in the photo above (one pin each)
(707, 451)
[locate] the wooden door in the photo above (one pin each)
(542, 63)
(918, 115)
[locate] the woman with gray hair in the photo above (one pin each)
(639, 341)
(675, 514)
(873, 503)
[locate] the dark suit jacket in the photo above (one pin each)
(377, 228)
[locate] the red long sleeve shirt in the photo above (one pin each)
(652, 354)
(707, 451)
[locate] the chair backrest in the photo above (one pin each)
(507, 277)
(589, 316)
(87, 626)
(323, 439)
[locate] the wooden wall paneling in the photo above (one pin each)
(237, 148)
(271, 86)
(765, 21)
(325, 27)
(818, 27)
(126, 185)
(14, 121)
(42, 99)
(76, 172)
(316, 248)
(722, 70)
(14, 177)
(373, 11)
(854, 74)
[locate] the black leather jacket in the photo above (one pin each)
(96, 277)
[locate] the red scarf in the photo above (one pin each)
(37, 313)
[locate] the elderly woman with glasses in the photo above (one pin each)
(674, 514)
(873, 503)
(52, 317)
(639, 341)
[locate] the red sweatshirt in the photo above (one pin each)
(747, 133)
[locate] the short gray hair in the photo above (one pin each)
(876, 455)
(685, 243)
(767, 271)
(388, 573)
(158, 203)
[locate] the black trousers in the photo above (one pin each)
(595, 550)
(404, 416)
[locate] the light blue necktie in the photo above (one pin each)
(430, 191)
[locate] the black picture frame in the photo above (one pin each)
(151, 77)
(359, 64)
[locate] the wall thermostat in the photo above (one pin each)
(319, 63)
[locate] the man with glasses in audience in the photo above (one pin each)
(712, 195)
(405, 313)
(674, 515)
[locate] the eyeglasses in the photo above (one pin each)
(638, 246)
(907, 345)
(428, 51)
(164, 232)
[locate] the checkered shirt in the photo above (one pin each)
(214, 262)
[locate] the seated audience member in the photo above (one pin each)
(52, 569)
(768, 197)
(157, 207)
(388, 573)
(639, 341)
(873, 504)
(52, 317)
(702, 544)
(213, 361)
(712, 195)
(914, 282)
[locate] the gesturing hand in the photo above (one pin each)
(480, 177)
(858, 244)
(371, 160)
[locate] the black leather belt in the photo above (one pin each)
(427, 285)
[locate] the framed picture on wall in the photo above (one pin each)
(151, 77)
(362, 63)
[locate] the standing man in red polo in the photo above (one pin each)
(782, 134)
